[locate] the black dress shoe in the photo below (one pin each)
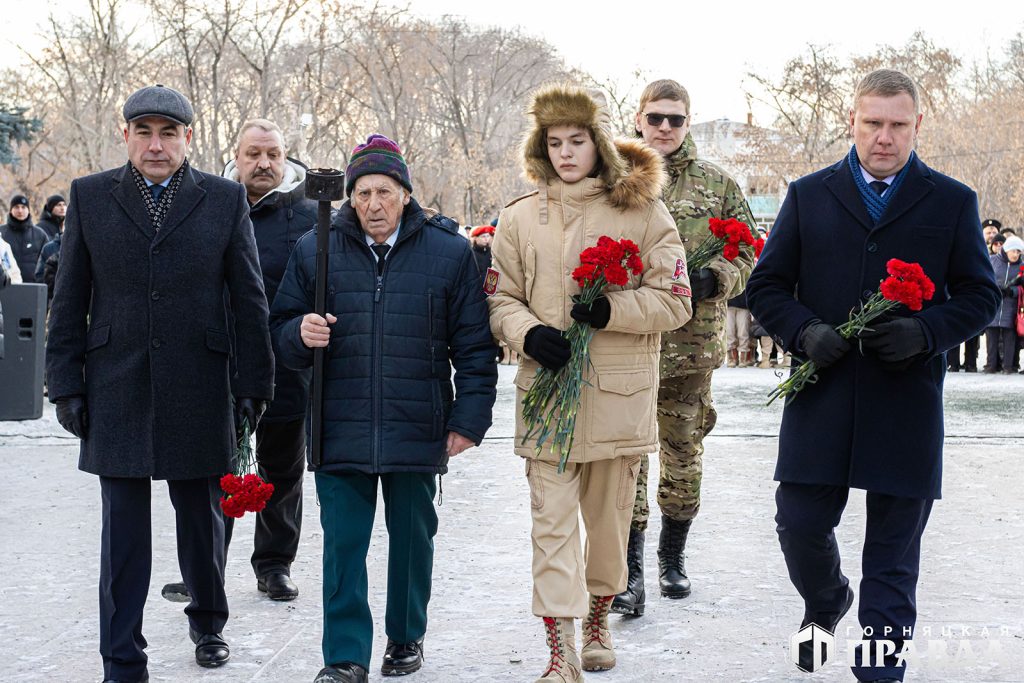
(144, 679)
(346, 672)
(829, 621)
(176, 592)
(278, 586)
(211, 648)
(402, 658)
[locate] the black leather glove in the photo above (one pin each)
(547, 346)
(703, 284)
(596, 314)
(822, 344)
(73, 416)
(895, 340)
(1009, 291)
(249, 409)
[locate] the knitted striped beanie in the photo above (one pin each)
(377, 155)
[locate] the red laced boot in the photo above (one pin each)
(564, 665)
(598, 654)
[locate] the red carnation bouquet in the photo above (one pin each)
(726, 238)
(244, 490)
(551, 404)
(906, 285)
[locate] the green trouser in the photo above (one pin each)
(348, 502)
(685, 416)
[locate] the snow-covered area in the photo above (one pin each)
(735, 627)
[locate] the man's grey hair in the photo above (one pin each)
(263, 124)
(887, 83)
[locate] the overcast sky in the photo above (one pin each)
(709, 46)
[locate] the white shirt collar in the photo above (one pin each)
(165, 183)
(390, 241)
(868, 178)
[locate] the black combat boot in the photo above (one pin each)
(633, 600)
(672, 570)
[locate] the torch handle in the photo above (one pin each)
(323, 226)
(323, 185)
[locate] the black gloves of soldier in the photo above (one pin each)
(547, 346)
(72, 415)
(596, 314)
(251, 409)
(896, 340)
(822, 344)
(703, 284)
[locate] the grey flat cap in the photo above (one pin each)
(158, 100)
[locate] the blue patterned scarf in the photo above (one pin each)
(874, 202)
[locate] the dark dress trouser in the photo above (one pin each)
(348, 502)
(126, 561)
(1001, 348)
(971, 348)
(807, 515)
(281, 457)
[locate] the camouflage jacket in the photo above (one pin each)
(698, 190)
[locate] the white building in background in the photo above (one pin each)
(720, 141)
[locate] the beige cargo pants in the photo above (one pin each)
(566, 572)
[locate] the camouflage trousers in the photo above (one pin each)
(685, 416)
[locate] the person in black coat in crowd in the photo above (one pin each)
(874, 418)
(1001, 335)
(52, 220)
(405, 306)
(25, 238)
(138, 364)
(49, 257)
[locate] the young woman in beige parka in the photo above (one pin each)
(589, 185)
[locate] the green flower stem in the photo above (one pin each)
(551, 405)
(807, 373)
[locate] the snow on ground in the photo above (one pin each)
(735, 627)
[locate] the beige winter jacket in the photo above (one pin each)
(536, 248)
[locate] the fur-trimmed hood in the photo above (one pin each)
(632, 172)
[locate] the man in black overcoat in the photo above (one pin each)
(137, 363)
(873, 420)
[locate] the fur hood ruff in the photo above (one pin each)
(632, 172)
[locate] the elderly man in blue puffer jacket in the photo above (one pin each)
(406, 305)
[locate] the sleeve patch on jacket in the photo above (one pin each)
(491, 281)
(680, 269)
(681, 291)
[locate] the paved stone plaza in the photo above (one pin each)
(735, 627)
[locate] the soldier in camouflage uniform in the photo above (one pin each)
(697, 190)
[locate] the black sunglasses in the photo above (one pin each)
(674, 120)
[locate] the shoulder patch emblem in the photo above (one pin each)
(679, 290)
(680, 269)
(491, 281)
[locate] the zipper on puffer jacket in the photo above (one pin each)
(378, 349)
(430, 330)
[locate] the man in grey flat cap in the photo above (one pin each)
(137, 363)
